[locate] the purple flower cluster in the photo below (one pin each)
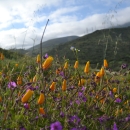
(56, 126)
(12, 85)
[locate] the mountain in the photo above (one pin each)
(112, 44)
(50, 44)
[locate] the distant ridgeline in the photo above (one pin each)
(112, 44)
(9, 54)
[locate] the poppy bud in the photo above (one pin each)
(76, 64)
(102, 71)
(38, 59)
(35, 78)
(105, 63)
(27, 96)
(64, 85)
(81, 82)
(16, 65)
(86, 69)
(97, 77)
(41, 99)
(19, 80)
(47, 63)
(2, 56)
(52, 87)
(66, 65)
(114, 90)
(41, 111)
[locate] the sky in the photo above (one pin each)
(22, 22)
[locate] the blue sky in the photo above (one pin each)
(22, 22)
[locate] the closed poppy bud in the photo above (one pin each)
(114, 90)
(38, 59)
(47, 63)
(105, 63)
(41, 111)
(66, 65)
(97, 77)
(19, 94)
(58, 71)
(64, 85)
(52, 87)
(31, 80)
(2, 56)
(102, 71)
(19, 80)
(16, 65)
(35, 78)
(86, 69)
(0, 99)
(41, 99)
(81, 82)
(27, 96)
(76, 64)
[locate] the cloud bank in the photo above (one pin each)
(22, 22)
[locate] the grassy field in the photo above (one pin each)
(51, 93)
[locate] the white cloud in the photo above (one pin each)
(64, 21)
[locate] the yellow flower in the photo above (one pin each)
(31, 80)
(2, 56)
(76, 64)
(52, 87)
(58, 70)
(105, 63)
(64, 85)
(38, 58)
(86, 69)
(19, 80)
(41, 98)
(114, 90)
(81, 82)
(47, 63)
(35, 78)
(66, 65)
(97, 77)
(102, 71)
(41, 111)
(27, 96)
(16, 65)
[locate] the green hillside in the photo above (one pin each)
(112, 44)
(49, 44)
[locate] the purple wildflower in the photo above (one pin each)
(56, 126)
(62, 74)
(111, 94)
(45, 56)
(12, 85)
(74, 119)
(83, 88)
(127, 118)
(118, 100)
(77, 102)
(103, 118)
(115, 127)
(62, 114)
(22, 128)
(84, 99)
(80, 94)
(124, 66)
(26, 105)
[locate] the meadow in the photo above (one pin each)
(48, 93)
